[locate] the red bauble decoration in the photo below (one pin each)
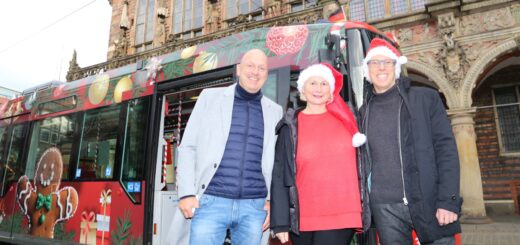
(286, 39)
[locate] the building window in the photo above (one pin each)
(369, 10)
(236, 7)
(187, 15)
(508, 118)
(144, 24)
(300, 5)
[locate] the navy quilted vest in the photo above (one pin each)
(239, 175)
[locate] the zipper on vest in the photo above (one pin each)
(405, 201)
(244, 151)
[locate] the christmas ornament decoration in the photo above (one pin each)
(98, 89)
(286, 39)
(205, 61)
(188, 52)
(124, 84)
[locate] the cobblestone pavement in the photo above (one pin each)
(505, 230)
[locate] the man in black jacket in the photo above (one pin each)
(412, 165)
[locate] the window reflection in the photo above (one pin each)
(52, 132)
(98, 144)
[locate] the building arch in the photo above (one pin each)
(480, 65)
(438, 79)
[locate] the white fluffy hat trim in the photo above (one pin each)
(317, 70)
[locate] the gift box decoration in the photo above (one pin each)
(88, 227)
(103, 218)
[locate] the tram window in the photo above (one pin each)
(98, 144)
(3, 140)
(134, 147)
(14, 156)
(135, 137)
(3, 147)
(52, 132)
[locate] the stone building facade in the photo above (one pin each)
(469, 50)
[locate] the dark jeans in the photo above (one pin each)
(329, 237)
(394, 225)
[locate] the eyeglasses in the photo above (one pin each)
(377, 63)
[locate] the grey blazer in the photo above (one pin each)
(203, 144)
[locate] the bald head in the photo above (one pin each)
(252, 70)
(254, 54)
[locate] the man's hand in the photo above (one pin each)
(267, 207)
(445, 217)
(187, 205)
(283, 236)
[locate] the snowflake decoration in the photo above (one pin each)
(153, 66)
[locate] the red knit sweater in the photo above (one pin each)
(326, 175)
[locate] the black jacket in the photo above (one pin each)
(430, 160)
(284, 196)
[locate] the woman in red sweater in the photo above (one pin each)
(314, 191)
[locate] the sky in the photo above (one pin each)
(38, 39)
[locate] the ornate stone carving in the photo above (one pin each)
(274, 8)
(453, 60)
(474, 50)
(416, 34)
(451, 56)
(487, 21)
(405, 35)
(447, 23)
(124, 23)
(120, 44)
(428, 58)
(73, 68)
(161, 28)
(515, 12)
(212, 18)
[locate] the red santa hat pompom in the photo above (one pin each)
(380, 46)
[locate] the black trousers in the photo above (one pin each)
(328, 237)
(394, 225)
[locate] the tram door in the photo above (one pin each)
(179, 98)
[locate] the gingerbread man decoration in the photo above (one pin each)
(45, 205)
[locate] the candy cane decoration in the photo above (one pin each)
(165, 150)
(178, 137)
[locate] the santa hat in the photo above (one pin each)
(317, 70)
(379, 46)
(337, 107)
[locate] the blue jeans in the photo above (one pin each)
(244, 218)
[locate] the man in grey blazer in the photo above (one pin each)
(225, 160)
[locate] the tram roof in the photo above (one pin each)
(295, 45)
